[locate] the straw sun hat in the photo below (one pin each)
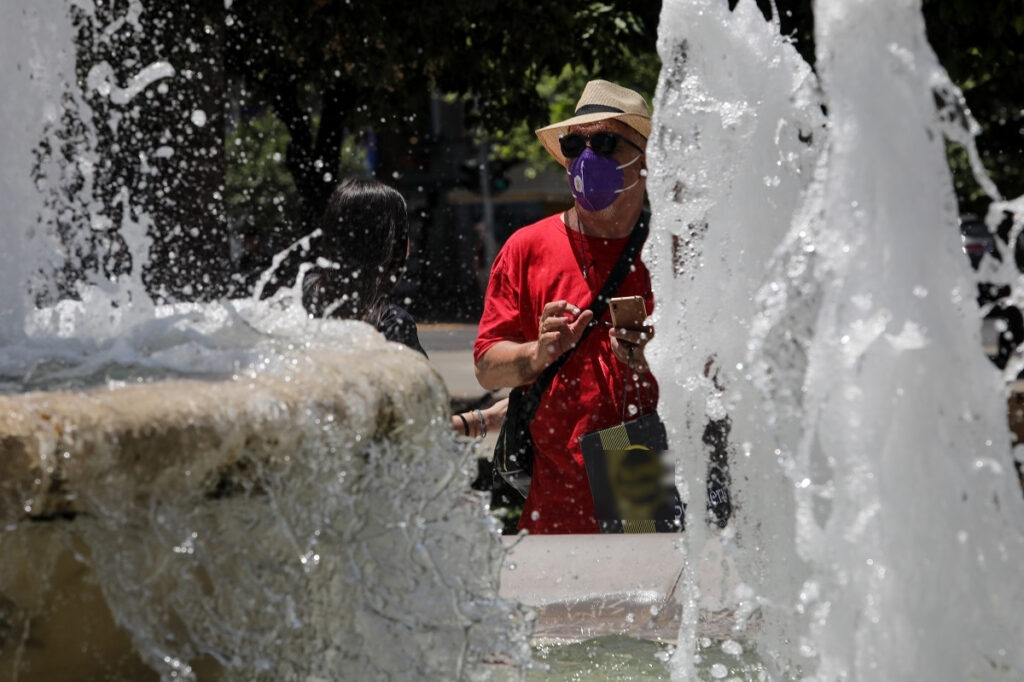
(600, 100)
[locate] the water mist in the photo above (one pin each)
(222, 490)
(272, 497)
(806, 239)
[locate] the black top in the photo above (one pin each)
(395, 323)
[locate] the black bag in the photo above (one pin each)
(513, 452)
(631, 480)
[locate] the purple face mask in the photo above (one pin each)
(596, 181)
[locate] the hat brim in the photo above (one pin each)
(549, 135)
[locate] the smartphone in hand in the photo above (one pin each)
(628, 312)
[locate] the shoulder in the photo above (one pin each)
(538, 236)
(544, 229)
(396, 314)
(396, 324)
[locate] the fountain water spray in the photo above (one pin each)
(230, 487)
(817, 297)
(812, 292)
(38, 54)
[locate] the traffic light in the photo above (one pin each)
(499, 181)
(469, 175)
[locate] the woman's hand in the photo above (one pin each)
(478, 423)
(495, 415)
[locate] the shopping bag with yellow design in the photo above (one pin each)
(632, 479)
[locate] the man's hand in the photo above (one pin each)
(511, 363)
(628, 346)
(560, 328)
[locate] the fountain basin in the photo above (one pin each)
(192, 432)
(276, 524)
(587, 586)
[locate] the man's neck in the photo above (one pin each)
(614, 222)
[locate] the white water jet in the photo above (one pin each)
(877, 523)
(38, 54)
(815, 261)
(246, 490)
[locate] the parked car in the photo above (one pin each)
(1003, 326)
(977, 240)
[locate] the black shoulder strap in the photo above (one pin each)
(611, 285)
(618, 274)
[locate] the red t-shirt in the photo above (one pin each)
(538, 264)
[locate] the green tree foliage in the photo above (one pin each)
(356, 64)
(359, 64)
(981, 45)
(259, 186)
(261, 193)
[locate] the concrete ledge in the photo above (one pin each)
(585, 586)
(54, 442)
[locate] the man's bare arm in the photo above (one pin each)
(507, 364)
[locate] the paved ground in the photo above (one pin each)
(450, 347)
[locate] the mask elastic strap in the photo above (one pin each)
(637, 182)
(635, 159)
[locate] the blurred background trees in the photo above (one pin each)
(413, 93)
(982, 47)
(270, 104)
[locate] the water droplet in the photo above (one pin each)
(732, 647)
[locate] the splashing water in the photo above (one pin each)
(279, 496)
(878, 520)
(30, 70)
(293, 522)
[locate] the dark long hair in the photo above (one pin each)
(365, 233)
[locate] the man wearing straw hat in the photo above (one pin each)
(542, 283)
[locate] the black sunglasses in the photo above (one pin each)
(603, 143)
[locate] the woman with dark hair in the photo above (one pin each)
(362, 249)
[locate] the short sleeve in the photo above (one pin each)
(501, 318)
